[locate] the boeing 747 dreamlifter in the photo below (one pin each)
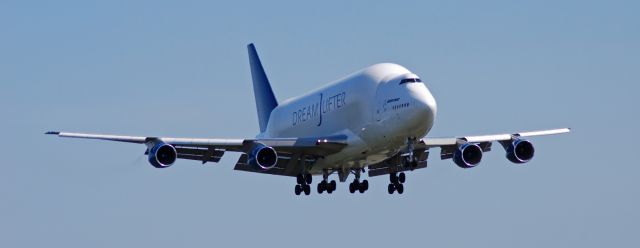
(374, 119)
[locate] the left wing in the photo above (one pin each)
(466, 151)
(290, 152)
(449, 146)
(441, 142)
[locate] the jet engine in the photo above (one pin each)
(263, 156)
(519, 151)
(467, 155)
(162, 155)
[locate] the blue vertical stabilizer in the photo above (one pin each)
(265, 100)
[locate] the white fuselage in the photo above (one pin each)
(371, 107)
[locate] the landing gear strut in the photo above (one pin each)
(304, 181)
(410, 160)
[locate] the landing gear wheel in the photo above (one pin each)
(298, 189)
(391, 188)
(322, 186)
(352, 188)
(300, 179)
(400, 188)
(393, 178)
(356, 186)
(365, 185)
(361, 187)
(332, 186)
(307, 189)
(308, 178)
(402, 178)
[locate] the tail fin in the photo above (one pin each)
(265, 100)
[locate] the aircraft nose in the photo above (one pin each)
(429, 102)
(426, 107)
(425, 100)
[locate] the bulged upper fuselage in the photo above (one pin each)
(377, 108)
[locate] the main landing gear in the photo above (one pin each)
(397, 181)
(356, 185)
(325, 185)
(303, 185)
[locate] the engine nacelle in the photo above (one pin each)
(162, 155)
(263, 156)
(467, 155)
(519, 151)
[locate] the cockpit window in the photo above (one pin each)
(410, 80)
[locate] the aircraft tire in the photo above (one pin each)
(298, 189)
(308, 178)
(400, 188)
(300, 179)
(402, 177)
(307, 189)
(393, 178)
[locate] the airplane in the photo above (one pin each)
(375, 119)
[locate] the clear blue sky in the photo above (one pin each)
(181, 69)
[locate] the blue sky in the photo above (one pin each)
(181, 69)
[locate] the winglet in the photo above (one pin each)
(53, 132)
(265, 99)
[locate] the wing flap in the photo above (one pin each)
(206, 152)
(286, 166)
(199, 158)
(320, 146)
(446, 152)
(381, 172)
(209, 154)
(394, 164)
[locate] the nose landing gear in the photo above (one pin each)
(409, 159)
